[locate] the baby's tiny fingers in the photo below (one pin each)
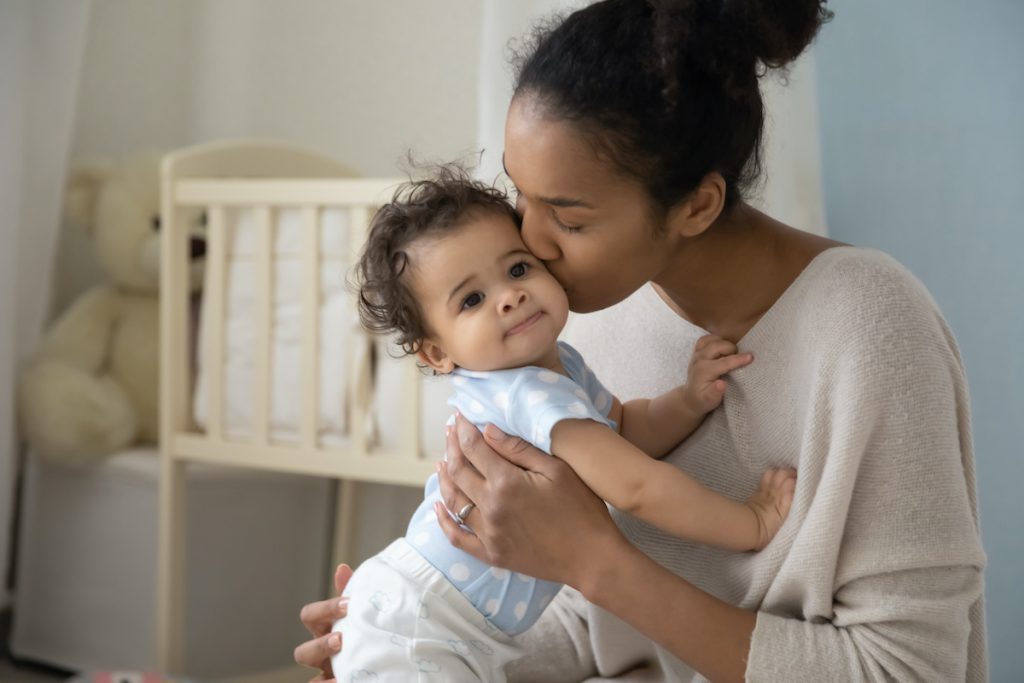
(785, 474)
(727, 364)
(704, 341)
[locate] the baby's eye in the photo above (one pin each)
(472, 300)
(518, 270)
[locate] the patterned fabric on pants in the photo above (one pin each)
(407, 623)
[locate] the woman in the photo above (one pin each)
(633, 131)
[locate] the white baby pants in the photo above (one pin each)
(407, 623)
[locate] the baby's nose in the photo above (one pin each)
(512, 299)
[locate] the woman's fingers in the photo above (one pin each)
(454, 499)
(341, 576)
(318, 617)
(459, 537)
(471, 450)
(462, 473)
(519, 452)
(317, 653)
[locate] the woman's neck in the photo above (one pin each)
(726, 278)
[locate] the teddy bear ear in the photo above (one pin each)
(83, 187)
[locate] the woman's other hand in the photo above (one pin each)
(318, 618)
(533, 514)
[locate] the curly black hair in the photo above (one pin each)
(668, 89)
(421, 208)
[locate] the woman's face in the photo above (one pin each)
(591, 225)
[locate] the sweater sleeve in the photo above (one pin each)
(908, 626)
(893, 512)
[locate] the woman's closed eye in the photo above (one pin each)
(565, 227)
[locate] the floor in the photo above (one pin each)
(23, 672)
(27, 672)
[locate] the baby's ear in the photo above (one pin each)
(433, 356)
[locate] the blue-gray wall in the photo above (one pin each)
(922, 117)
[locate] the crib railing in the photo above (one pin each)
(213, 179)
(358, 458)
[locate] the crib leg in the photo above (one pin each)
(170, 566)
(345, 503)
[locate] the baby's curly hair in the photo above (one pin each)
(420, 208)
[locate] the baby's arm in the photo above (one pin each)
(665, 496)
(656, 425)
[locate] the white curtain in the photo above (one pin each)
(504, 24)
(792, 188)
(41, 47)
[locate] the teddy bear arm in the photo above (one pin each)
(81, 336)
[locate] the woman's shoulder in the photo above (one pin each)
(860, 280)
(862, 298)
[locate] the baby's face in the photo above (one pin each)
(489, 304)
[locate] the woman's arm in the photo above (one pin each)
(553, 527)
(535, 516)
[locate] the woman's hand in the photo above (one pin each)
(318, 618)
(533, 514)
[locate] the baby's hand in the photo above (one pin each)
(771, 502)
(712, 358)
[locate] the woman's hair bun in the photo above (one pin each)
(776, 31)
(732, 40)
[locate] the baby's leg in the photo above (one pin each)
(400, 629)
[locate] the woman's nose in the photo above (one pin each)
(537, 239)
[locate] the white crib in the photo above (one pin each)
(266, 183)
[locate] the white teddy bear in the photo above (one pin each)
(92, 386)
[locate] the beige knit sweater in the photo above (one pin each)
(877, 573)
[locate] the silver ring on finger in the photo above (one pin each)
(461, 515)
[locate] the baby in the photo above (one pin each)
(445, 269)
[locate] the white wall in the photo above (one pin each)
(361, 80)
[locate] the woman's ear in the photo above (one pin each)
(433, 356)
(701, 208)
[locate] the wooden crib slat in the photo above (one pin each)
(282, 192)
(214, 288)
(358, 352)
(310, 325)
(410, 408)
(175, 400)
(264, 321)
